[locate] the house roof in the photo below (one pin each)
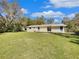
(46, 25)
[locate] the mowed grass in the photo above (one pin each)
(23, 45)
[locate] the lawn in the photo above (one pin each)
(23, 45)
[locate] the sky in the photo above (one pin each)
(50, 8)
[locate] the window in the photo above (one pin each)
(38, 28)
(61, 28)
(49, 29)
(33, 27)
(29, 27)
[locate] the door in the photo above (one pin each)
(61, 28)
(49, 29)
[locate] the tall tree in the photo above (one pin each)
(10, 14)
(65, 20)
(39, 20)
(50, 21)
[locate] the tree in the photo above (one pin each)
(66, 20)
(50, 21)
(76, 19)
(72, 25)
(39, 21)
(12, 14)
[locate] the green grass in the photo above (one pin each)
(23, 45)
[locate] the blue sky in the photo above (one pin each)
(50, 8)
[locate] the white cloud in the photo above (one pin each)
(65, 3)
(71, 16)
(47, 6)
(23, 10)
(48, 14)
(53, 14)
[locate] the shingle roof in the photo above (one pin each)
(47, 25)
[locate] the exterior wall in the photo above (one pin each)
(44, 29)
(32, 30)
(57, 29)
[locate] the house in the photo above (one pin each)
(57, 28)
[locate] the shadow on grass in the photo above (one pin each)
(68, 35)
(63, 35)
(75, 37)
(77, 33)
(75, 41)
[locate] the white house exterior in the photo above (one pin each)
(56, 28)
